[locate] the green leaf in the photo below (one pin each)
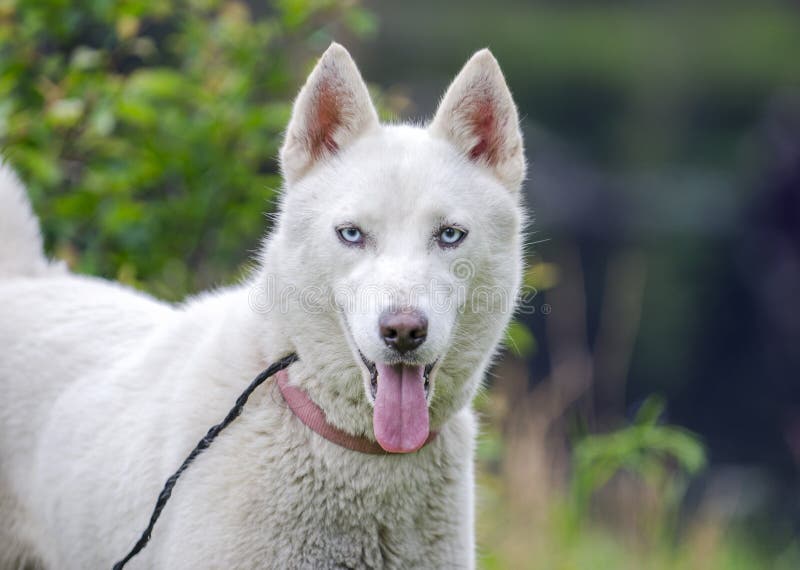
(65, 112)
(520, 339)
(156, 83)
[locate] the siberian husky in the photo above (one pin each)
(392, 272)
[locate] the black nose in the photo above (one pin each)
(403, 329)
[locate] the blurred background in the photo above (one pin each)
(646, 412)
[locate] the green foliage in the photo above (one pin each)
(527, 520)
(657, 453)
(147, 130)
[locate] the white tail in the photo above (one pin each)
(21, 252)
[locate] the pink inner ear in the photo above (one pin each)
(325, 118)
(484, 125)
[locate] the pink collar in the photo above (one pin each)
(314, 418)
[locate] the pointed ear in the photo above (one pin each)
(332, 109)
(478, 115)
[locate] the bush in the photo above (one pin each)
(147, 130)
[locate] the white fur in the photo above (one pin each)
(20, 240)
(105, 390)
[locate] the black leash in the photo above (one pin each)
(163, 497)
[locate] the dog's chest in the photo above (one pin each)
(377, 513)
(322, 507)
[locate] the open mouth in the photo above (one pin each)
(373, 375)
(400, 394)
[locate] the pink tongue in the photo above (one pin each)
(400, 419)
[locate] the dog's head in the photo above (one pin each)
(398, 247)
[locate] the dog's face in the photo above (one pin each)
(400, 245)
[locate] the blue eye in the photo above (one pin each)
(351, 235)
(450, 236)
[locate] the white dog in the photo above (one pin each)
(392, 272)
